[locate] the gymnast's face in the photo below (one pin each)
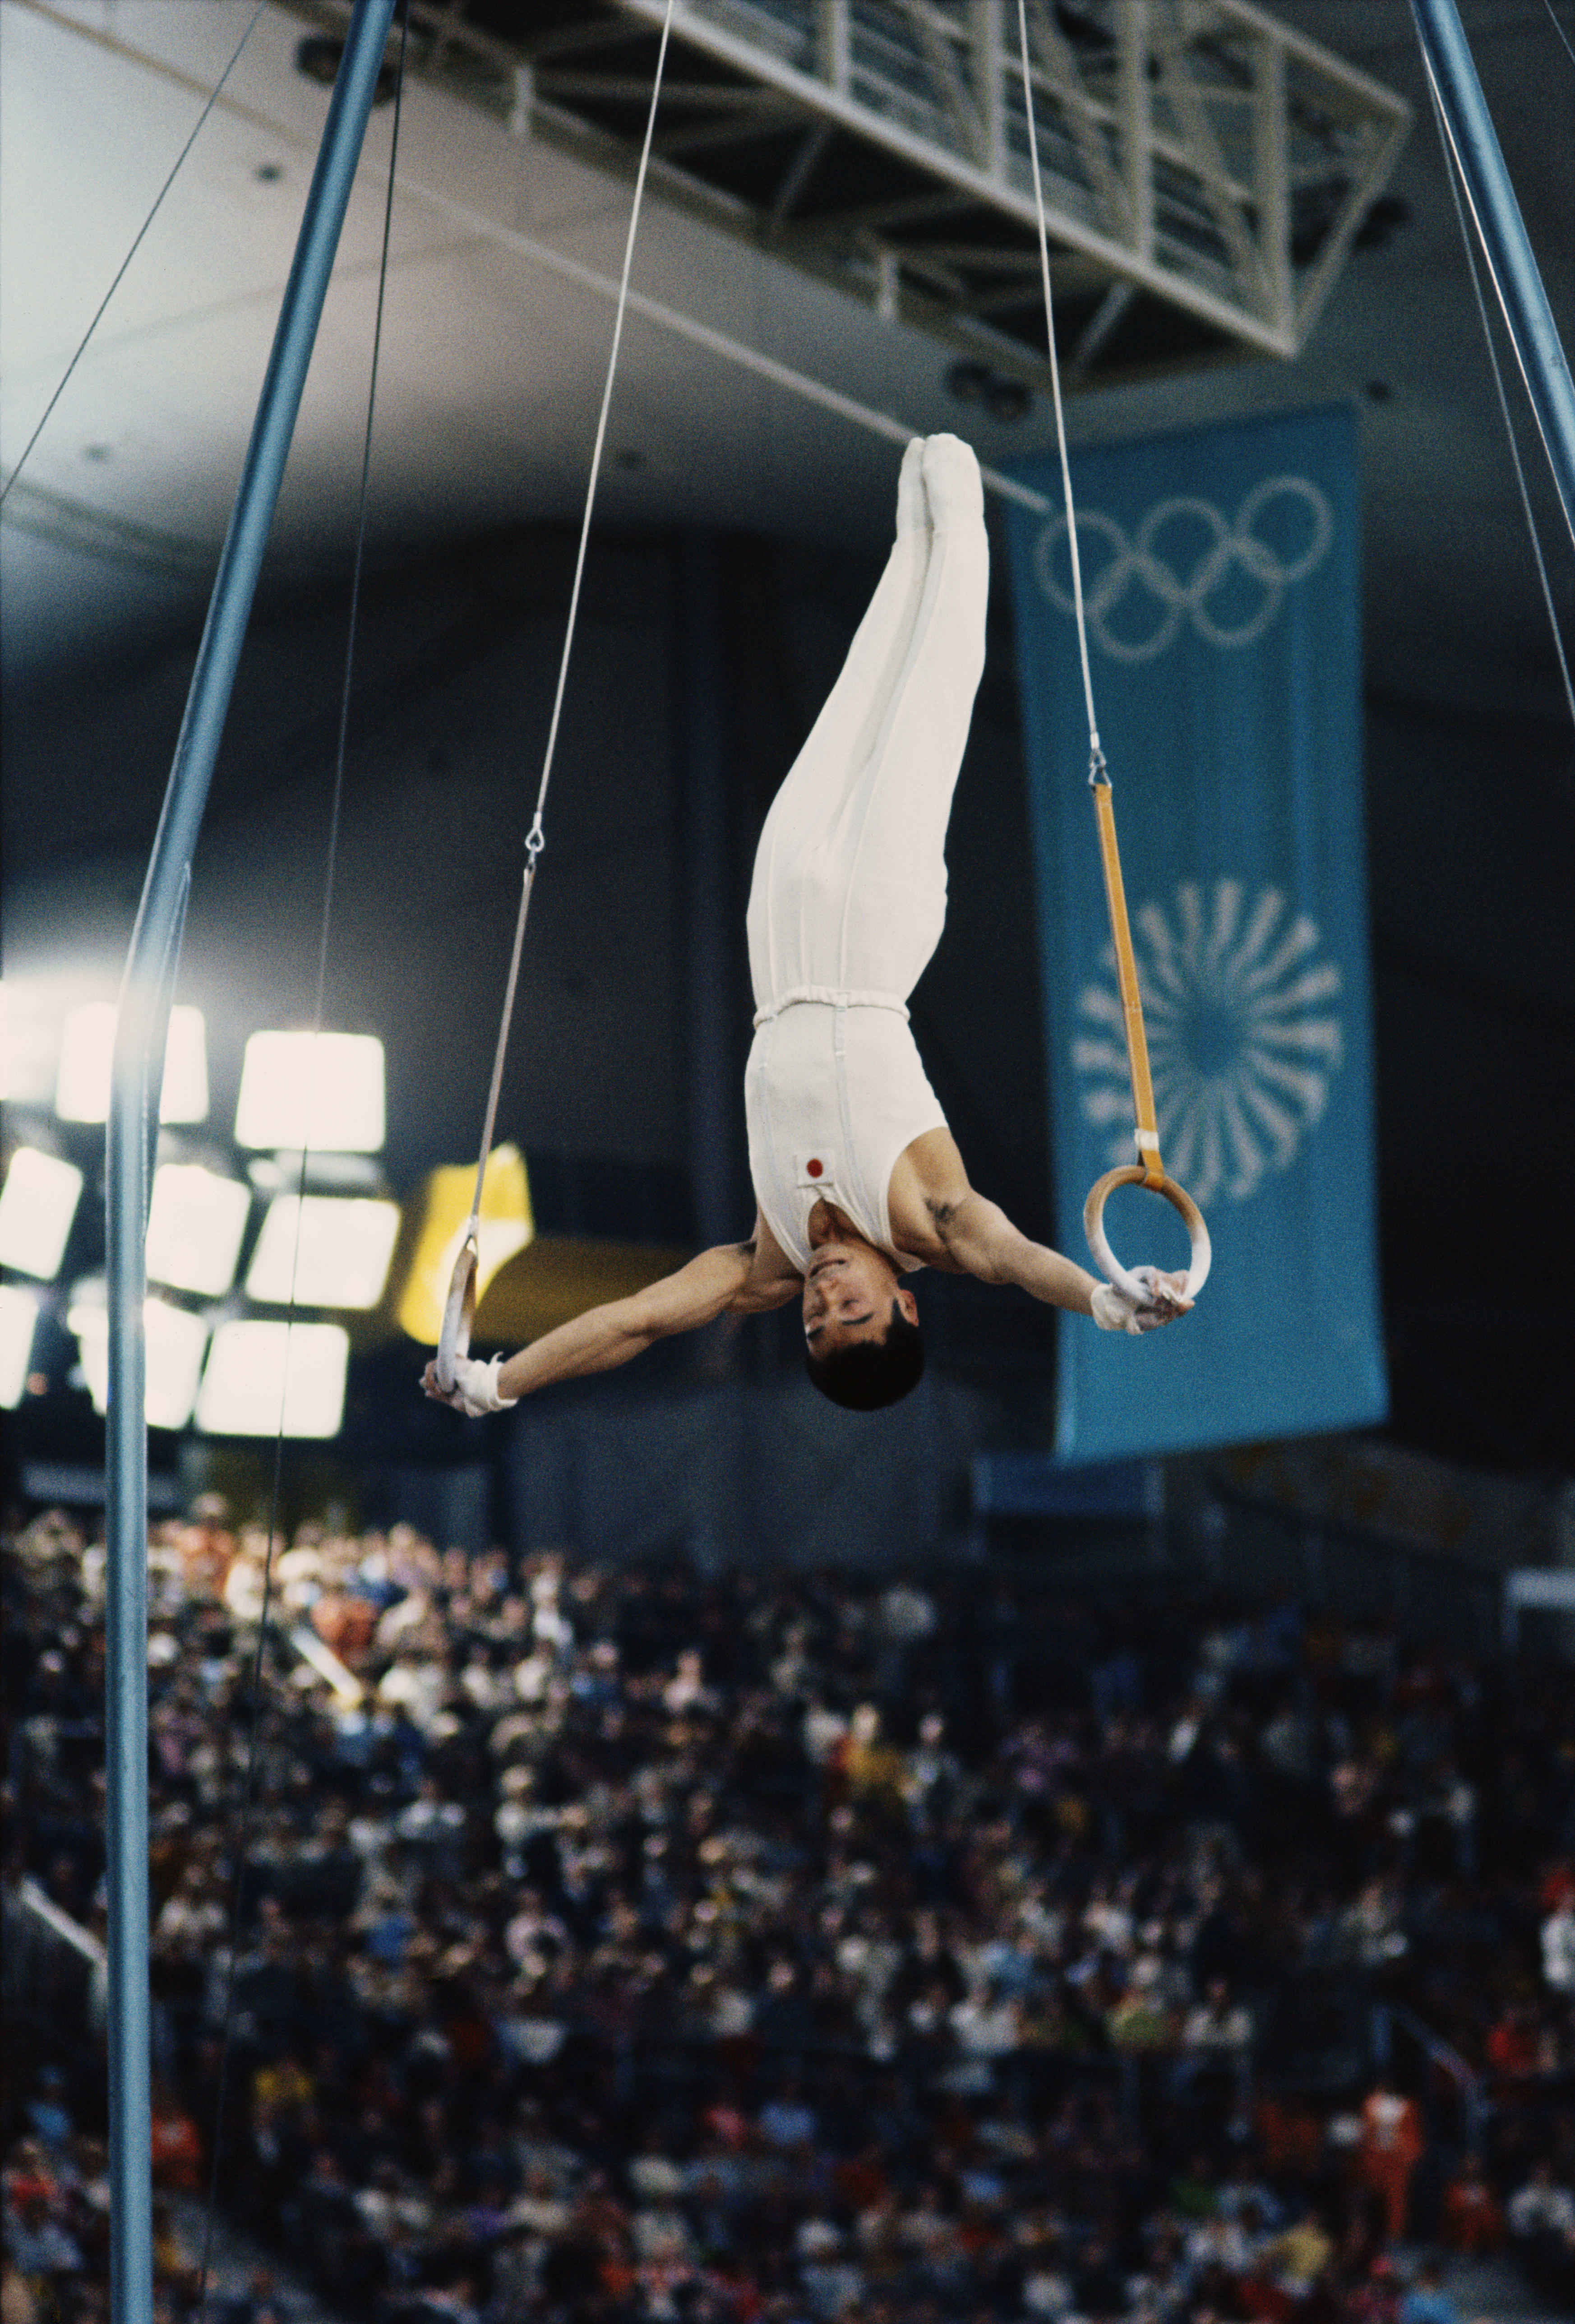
(847, 1296)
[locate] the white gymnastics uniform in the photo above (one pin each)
(849, 894)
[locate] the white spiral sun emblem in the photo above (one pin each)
(1243, 1039)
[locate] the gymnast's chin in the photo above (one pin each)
(862, 1345)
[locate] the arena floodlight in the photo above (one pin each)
(37, 1205)
(195, 1224)
(258, 1371)
(184, 1094)
(18, 1321)
(87, 1062)
(10, 1044)
(28, 1040)
(321, 1090)
(337, 1247)
(175, 1341)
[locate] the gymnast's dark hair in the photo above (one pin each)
(872, 1373)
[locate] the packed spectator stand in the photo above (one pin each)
(624, 1943)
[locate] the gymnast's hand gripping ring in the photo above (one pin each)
(1132, 1174)
(459, 1314)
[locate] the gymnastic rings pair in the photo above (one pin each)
(459, 1311)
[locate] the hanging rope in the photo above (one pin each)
(242, 1828)
(1150, 1168)
(136, 245)
(459, 1311)
(1453, 172)
(1097, 771)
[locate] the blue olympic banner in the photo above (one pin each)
(1221, 574)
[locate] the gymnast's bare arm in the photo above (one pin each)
(736, 1278)
(937, 1216)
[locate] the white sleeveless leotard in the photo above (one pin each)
(834, 1096)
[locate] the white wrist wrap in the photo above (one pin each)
(475, 1387)
(1112, 1310)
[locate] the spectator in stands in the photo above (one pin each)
(1426, 2301)
(1390, 2149)
(1472, 2219)
(1540, 2207)
(1557, 1939)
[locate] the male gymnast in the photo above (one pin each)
(857, 1181)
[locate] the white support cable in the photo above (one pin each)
(1456, 177)
(120, 274)
(536, 838)
(1096, 757)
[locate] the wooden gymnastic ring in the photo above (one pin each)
(458, 1316)
(1093, 1226)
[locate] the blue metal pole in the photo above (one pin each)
(146, 990)
(1468, 126)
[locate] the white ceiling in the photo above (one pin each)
(493, 366)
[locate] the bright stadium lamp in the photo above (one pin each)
(336, 1247)
(322, 1091)
(87, 1063)
(18, 1318)
(195, 1225)
(174, 1340)
(27, 1044)
(184, 1094)
(257, 1370)
(37, 1205)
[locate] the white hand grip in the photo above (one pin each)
(1093, 1226)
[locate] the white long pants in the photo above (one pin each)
(849, 894)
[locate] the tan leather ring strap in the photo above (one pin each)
(1131, 994)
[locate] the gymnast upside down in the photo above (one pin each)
(857, 1181)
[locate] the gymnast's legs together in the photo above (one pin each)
(849, 892)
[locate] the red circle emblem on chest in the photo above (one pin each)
(814, 1166)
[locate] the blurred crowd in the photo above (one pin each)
(622, 1944)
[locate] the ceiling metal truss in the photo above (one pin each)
(1206, 167)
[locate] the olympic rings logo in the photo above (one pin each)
(1136, 564)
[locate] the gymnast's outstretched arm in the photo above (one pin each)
(983, 1241)
(736, 1278)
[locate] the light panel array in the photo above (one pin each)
(336, 1248)
(196, 1222)
(321, 1094)
(38, 1204)
(321, 1090)
(86, 1065)
(175, 1341)
(262, 1375)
